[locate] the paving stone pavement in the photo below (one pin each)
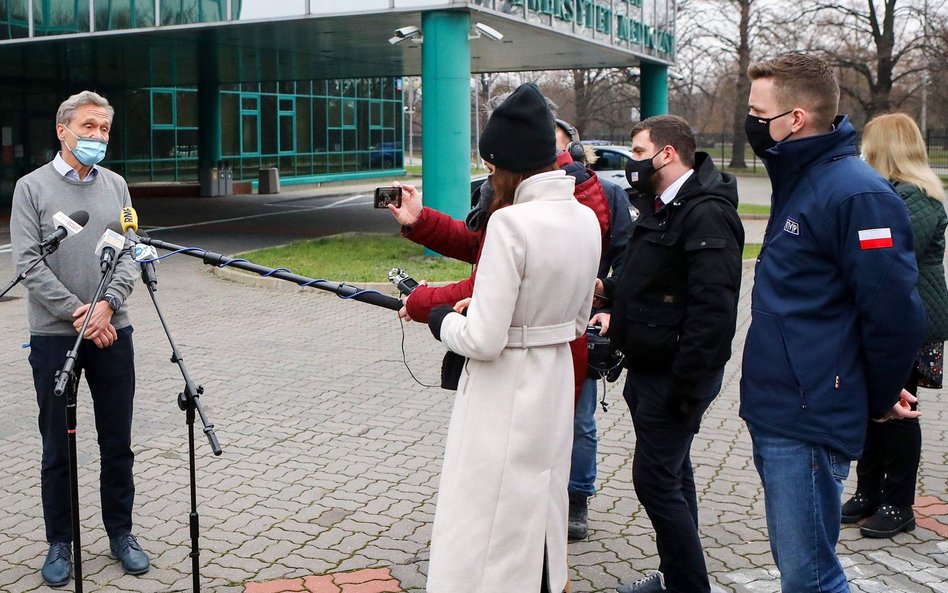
(332, 454)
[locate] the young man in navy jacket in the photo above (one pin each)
(836, 320)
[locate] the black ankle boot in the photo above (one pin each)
(859, 506)
(578, 527)
(888, 521)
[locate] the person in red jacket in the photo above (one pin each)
(462, 240)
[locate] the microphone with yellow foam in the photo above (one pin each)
(143, 254)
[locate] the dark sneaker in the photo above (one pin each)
(861, 505)
(578, 526)
(651, 584)
(126, 549)
(58, 566)
(888, 521)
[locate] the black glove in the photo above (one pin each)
(436, 318)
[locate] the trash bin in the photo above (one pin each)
(208, 178)
(269, 181)
(228, 188)
(220, 179)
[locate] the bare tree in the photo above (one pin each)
(877, 42)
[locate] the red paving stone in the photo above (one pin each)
(321, 584)
(368, 580)
(277, 586)
(389, 586)
(927, 508)
(362, 576)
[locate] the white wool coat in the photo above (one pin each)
(502, 494)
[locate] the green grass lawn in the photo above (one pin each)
(367, 257)
(753, 209)
(359, 257)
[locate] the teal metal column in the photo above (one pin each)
(446, 117)
(654, 89)
(209, 110)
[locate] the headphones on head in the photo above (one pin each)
(575, 147)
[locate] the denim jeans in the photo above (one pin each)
(802, 487)
(582, 469)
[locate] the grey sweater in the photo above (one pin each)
(69, 277)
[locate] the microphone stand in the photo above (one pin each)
(216, 259)
(67, 382)
(189, 401)
(22, 275)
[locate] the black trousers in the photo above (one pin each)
(888, 468)
(662, 474)
(110, 374)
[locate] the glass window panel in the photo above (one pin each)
(180, 12)
(163, 108)
(163, 143)
(349, 140)
(286, 105)
(349, 113)
(187, 144)
(249, 103)
(334, 114)
(375, 113)
(268, 124)
(289, 87)
(187, 108)
(249, 134)
(335, 140)
(60, 16)
(268, 87)
(124, 14)
(212, 10)
(230, 118)
(303, 125)
(13, 21)
(287, 133)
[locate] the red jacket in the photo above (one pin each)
(451, 238)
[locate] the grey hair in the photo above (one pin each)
(494, 102)
(68, 107)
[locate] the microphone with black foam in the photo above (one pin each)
(65, 226)
(110, 244)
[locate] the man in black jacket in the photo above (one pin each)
(674, 308)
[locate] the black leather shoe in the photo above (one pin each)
(58, 566)
(861, 505)
(653, 583)
(888, 521)
(578, 527)
(126, 549)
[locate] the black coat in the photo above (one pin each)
(675, 290)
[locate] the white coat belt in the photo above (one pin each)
(541, 335)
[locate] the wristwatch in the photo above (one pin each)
(112, 300)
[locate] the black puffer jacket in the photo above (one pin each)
(674, 293)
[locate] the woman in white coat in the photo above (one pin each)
(501, 516)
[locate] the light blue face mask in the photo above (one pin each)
(88, 151)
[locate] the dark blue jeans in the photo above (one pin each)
(110, 374)
(582, 469)
(662, 474)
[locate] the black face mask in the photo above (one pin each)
(641, 174)
(758, 133)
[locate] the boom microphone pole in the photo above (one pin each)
(216, 259)
(189, 400)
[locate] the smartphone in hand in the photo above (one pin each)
(388, 195)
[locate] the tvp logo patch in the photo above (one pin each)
(792, 227)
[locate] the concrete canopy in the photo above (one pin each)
(295, 48)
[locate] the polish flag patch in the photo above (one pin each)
(875, 238)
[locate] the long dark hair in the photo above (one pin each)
(506, 183)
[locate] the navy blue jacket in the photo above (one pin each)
(836, 319)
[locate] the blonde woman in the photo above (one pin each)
(893, 146)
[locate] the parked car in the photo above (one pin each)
(385, 155)
(611, 163)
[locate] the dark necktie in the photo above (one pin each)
(658, 203)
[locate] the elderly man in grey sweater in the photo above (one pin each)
(60, 291)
